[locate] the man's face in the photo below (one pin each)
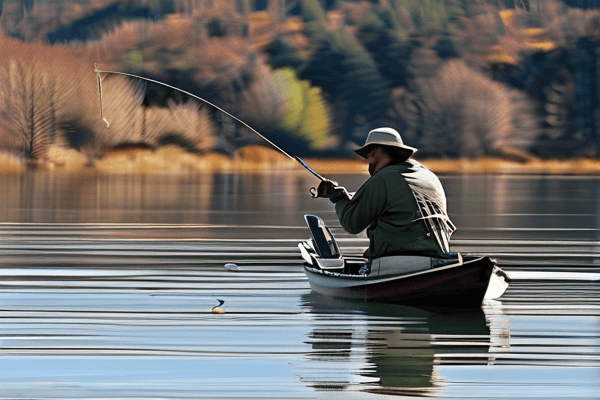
(378, 158)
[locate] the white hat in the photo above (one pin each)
(384, 137)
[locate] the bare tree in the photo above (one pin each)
(461, 112)
(28, 107)
(121, 107)
(191, 124)
(185, 124)
(122, 98)
(261, 105)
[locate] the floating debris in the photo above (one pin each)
(218, 309)
(231, 267)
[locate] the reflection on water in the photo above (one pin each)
(270, 198)
(404, 344)
(107, 286)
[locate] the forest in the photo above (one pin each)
(457, 78)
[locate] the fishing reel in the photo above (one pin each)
(330, 189)
(325, 189)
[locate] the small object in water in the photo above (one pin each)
(231, 267)
(218, 309)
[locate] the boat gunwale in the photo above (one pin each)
(365, 278)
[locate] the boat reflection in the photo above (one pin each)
(394, 349)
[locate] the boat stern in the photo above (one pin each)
(497, 285)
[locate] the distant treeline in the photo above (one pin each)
(457, 78)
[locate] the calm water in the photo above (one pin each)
(107, 286)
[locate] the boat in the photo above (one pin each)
(456, 280)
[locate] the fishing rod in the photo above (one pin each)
(98, 71)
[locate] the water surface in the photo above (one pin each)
(107, 286)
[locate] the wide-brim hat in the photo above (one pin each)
(388, 137)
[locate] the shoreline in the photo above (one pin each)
(173, 160)
(481, 166)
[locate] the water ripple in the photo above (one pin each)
(122, 310)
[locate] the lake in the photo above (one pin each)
(107, 285)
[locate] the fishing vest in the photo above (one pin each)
(431, 200)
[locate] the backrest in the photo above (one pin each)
(323, 239)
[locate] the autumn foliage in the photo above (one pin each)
(49, 96)
(458, 79)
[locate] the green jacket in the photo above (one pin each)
(385, 205)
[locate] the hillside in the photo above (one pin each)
(458, 79)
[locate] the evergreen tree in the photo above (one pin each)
(260, 5)
(312, 11)
(348, 74)
(388, 50)
(585, 4)
(443, 15)
(329, 4)
(283, 54)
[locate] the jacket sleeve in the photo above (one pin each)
(369, 202)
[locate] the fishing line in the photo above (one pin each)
(98, 72)
(97, 69)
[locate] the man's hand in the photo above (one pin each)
(326, 188)
(331, 190)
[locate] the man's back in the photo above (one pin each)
(390, 206)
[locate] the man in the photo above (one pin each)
(402, 205)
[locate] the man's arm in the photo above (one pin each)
(356, 214)
(331, 190)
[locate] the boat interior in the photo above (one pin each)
(322, 252)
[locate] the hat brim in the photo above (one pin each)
(364, 150)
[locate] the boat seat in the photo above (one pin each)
(447, 259)
(331, 264)
(394, 265)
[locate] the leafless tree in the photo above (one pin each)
(120, 105)
(28, 107)
(261, 105)
(461, 112)
(191, 123)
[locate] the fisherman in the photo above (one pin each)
(402, 205)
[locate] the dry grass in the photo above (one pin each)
(11, 164)
(260, 155)
(327, 167)
(504, 166)
(174, 160)
(65, 159)
(140, 161)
